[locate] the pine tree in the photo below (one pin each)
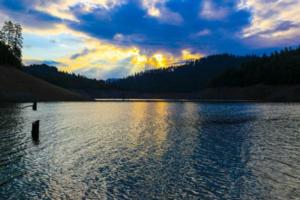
(17, 43)
(11, 43)
(2, 37)
(8, 33)
(11, 35)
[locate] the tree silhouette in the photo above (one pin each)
(17, 43)
(63, 79)
(11, 42)
(279, 68)
(189, 77)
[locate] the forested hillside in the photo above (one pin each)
(192, 76)
(62, 79)
(279, 68)
(189, 80)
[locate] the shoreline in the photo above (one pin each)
(171, 100)
(255, 93)
(149, 100)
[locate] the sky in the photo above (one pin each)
(115, 38)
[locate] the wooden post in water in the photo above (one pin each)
(34, 106)
(35, 132)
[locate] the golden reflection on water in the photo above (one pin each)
(154, 115)
(162, 115)
(142, 149)
(137, 120)
(151, 123)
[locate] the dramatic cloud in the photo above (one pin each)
(211, 11)
(105, 60)
(81, 54)
(116, 38)
(276, 21)
(158, 9)
(64, 8)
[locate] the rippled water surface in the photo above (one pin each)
(155, 150)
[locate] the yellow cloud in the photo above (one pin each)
(101, 55)
(156, 60)
(151, 7)
(188, 55)
(104, 55)
(108, 56)
(54, 30)
(162, 59)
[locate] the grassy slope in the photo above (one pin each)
(18, 86)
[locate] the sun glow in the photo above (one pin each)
(188, 55)
(79, 52)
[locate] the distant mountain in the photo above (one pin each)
(192, 76)
(62, 79)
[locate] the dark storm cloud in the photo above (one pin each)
(130, 19)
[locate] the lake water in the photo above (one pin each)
(151, 150)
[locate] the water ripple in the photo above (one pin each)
(155, 150)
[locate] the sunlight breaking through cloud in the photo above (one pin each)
(120, 37)
(110, 59)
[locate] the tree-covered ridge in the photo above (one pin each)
(11, 44)
(192, 76)
(63, 79)
(279, 68)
